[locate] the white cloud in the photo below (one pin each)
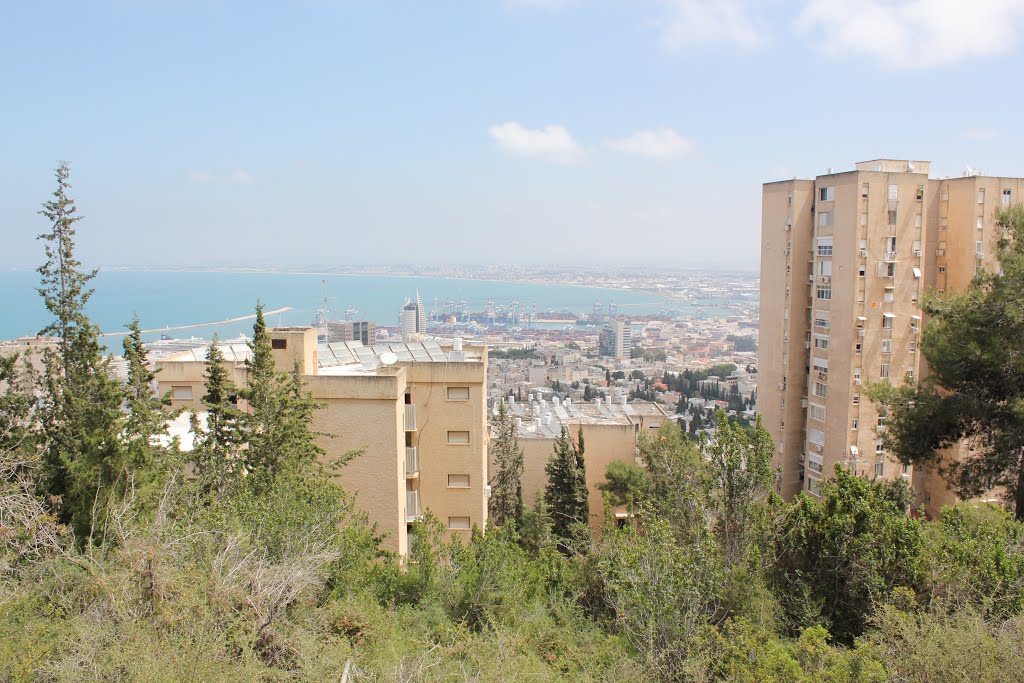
(660, 143)
(235, 177)
(982, 134)
(696, 22)
(911, 34)
(550, 143)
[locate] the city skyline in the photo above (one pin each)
(586, 132)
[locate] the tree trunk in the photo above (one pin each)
(1018, 494)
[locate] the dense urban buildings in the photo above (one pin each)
(416, 412)
(845, 261)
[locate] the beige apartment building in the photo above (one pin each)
(417, 410)
(610, 432)
(845, 261)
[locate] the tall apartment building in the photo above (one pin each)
(413, 320)
(845, 261)
(616, 340)
(417, 411)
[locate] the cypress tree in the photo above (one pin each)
(566, 492)
(216, 456)
(83, 465)
(146, 418)
(506, 503)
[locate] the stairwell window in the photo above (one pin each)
(820, 341)
(458, 393)
(458, 481)
(887, 346)
(817, 412)
(458, 438)
(181, 393)
(825, 219)
(883, 372)
(826, 194)
(458, 523)
(894, 193)
(820, 389)
(981, 196)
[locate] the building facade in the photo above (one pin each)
(415, 413)
(845, 261)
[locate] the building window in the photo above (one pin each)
(883, 372)
(816, 436)
(918, 220)
(458, 438)
(944, 195)
(861, 270)
(458, 523)
(981, 196)
(279, 343)
(813, 486)
(881, 420)
(979, 223)
(880, 469)
(821, 322)
(894, 193)
(887, 319)
(979, 247)
(1007, 198)
(820, 389)
(824, 246)
(878, 445)
(826, 194)
(824, 292)
(819, 365)
(942, 269)
(856, 399)
(892, 217)
(887, 346)
(458, 481)
(864, 190)
(817, 412)
(920, 192)
(820, 341)
(864, 219)
(855, 424)
(458, 393)
(181, 393)
(825, 219)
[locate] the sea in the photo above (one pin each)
(168, 299)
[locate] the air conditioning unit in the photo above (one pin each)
(860, 332)
(802, 457)
(940, 252)
(807, 344)
(782, 386)
(863, 253)
(803, 403)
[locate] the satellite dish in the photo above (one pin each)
(388, 358)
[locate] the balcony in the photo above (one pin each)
(412, 506)
(410, 418)
(412, 463)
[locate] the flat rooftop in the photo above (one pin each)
(542, 419)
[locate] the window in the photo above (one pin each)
(1007, 198)
(894, 193)
(979, 223)
(887, 319)
(918, 220)
(856, 375)
(824, 292)
(864, 190)
(816, 436)
(881, 420)
(944, 195)
(917, 247)
(820, 389)
(824, 246)
(458, 523)
(856, 399)
(883, 372)
(887, 346)
(813, 486)
(821, 322)
(181, 393)
(857, 348)
(458, 438)
(458, 481)
(864, 219)
(458, 393)
(892, 216)
(981, 195)
(820, 365)
(855, 424)
(826, 194)
(861, 270)
(920, 192)
(279, 343)
(825, 268)
(880, 468)
(890, 246)
(979, 247)
(820, 341)
(942, 269)
(824, 219)
(817, 412)
(878, 445)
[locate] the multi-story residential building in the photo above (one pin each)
(417, 412)
(610, 432)
(845, 261)
(362, 331)
(616, 340)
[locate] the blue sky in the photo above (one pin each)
(325, 132)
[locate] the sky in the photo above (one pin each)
(576, 132)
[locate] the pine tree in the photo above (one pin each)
(566, 494)
(217, 456)
(262, 394)
(506, 503)
(976, 385)
(83, 464)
